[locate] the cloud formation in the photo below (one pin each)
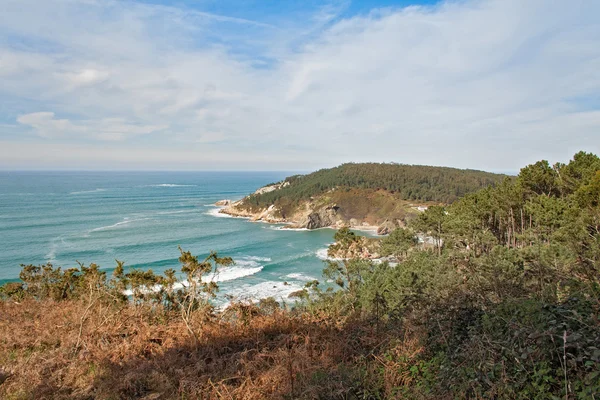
(482, 84)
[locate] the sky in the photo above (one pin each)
(290, 85)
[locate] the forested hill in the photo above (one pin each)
(408, 182)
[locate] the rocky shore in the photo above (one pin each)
(315, 213)
(307, 218)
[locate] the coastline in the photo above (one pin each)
(226, 208)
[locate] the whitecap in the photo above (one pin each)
(51, 256)
(276, 289)
(169, 185)
(175, 212)
(215, 213)
(285, 228)
(256, 258)
(54, 245)
(89, 191)
(239, 270)
(231, 273)
(300, 277)
(125, 221)
(323, 255)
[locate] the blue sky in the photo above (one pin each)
(214, 85)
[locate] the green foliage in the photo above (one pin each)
(409, 182)
(398, 243)
(144, 287)
(345, 236)
(508, 304)
(506, 307)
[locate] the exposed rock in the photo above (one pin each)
(223, 203)
(267, 189)
(386, 227)
(363, 247)
(271, 214)
(322, 218)
(270, 188)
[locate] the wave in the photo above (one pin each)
(285, 228)
(54, 245)
(276, 289)
(241, 269)
(225, 274)
(255, 258)
(322, 254)
(169, 185)
(300, 277)
(124, 222)
(175, 212)
(215, 213)
(89, 191)
(51, 256)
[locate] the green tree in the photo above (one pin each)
(398, 243)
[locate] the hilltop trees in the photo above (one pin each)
(504, 305)
(408, 182)
(509, 298)
(398, 243)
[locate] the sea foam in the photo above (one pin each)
(323, 255)
(169, 185)
(215, 213)
(89, 191)
(118, 224)
(300, 277)
(275, 289)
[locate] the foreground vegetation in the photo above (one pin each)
(502, 303)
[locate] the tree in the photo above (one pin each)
(539, 178)
(431, 222)
(197, 291)
(398, 243)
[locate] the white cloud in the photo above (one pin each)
(86, 76)
(478, 83)
(47, 126)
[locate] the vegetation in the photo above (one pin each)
(407, 182)
(504, 301)
(500, 299)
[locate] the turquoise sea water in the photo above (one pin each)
(141, 218)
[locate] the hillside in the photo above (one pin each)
(368, 194)
(505, 306)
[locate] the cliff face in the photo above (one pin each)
(306, 218)
(327, 216)
(359, 195)
(359, 208)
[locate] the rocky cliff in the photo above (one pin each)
(378, 211)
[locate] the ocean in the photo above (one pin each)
(141, 217)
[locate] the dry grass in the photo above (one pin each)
(126, 352)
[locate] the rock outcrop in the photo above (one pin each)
(386, 227)
(271, 214)
(327, 216)
(330, 210)
(363, 247)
